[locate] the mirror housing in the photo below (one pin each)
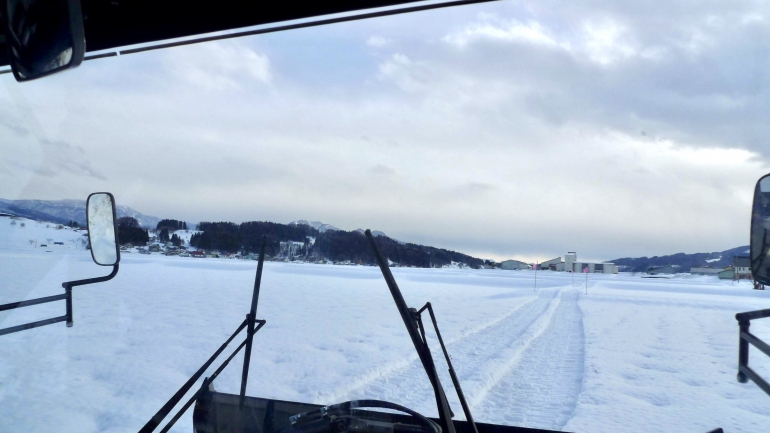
(43, 36)
(102, 229)
(760, 231)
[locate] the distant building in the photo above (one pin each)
(291, 249)
(552, 264)
(661, 270)
(727, 274)
(705, 270)
(571, 264)
(742, 267)
(569, 260)
(512, 265)
(594, 267)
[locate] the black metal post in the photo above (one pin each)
(31, 325)
(70, 284)
(251, 319)
(444, 412)
(68, 297)
(743, 350)
(14, 305)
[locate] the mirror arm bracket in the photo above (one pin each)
(70, 284)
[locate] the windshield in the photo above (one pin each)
(567, 184)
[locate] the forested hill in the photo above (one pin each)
(310, 244)
(683, 261)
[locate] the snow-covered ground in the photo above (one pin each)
(633, 355)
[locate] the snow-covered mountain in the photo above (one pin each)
(63, 211)
(318, 225)
(718, 259)
(322, 227)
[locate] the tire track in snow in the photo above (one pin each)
(480, 359)
(542, 390)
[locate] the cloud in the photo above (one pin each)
(408, 75)
(382, 170)
(531, 32)
(62, 157)
(377, 41)
(219, 65)
(605, 44)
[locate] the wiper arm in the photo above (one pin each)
(416, 331)
(452, 374)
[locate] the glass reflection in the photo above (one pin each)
(760, 231)
(39, 36)
(101, 229)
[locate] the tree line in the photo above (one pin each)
(334, 245)
(129, 232)
(171, 224)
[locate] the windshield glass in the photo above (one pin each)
(582, 173)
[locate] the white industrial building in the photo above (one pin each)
(572, 264)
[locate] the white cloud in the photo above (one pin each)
(514, 31)
(219, 65)
(377, 41)
(408, 75)
(605, 42)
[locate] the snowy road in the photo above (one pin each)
(542, 388)
(502, 367)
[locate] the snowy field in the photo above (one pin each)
(633, 355)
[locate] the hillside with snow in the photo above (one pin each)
(63, 211)
(682, 261)
(23, 234)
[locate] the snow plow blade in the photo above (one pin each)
(217, 412)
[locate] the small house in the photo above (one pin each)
(742, 267)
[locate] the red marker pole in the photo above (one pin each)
(586, 272)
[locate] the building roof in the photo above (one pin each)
(742, 261)
(589, 262)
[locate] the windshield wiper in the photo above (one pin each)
(413, 320)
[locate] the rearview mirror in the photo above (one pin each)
(760, 231)
(43, 36)
(102, 230)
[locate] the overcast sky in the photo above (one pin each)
(505, 130)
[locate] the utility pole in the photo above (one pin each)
(535, 289)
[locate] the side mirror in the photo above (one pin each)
(43, 36)
(760, 231)
(102, 228)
